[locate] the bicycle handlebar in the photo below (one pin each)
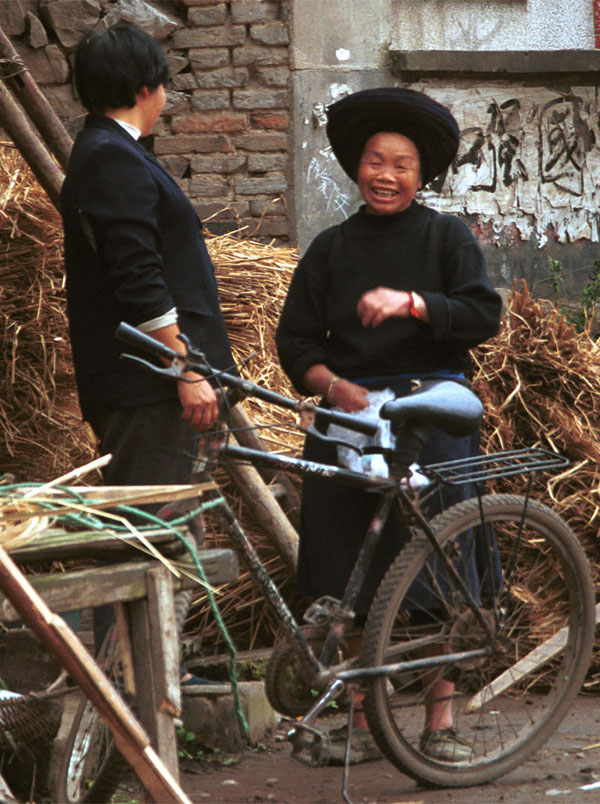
(145, 343)
(196, 362)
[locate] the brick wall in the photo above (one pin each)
(224, 134)
(226, 139)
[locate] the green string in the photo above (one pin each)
(213, 604)
(94, 522)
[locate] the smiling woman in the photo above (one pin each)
(397, 293)
(389, 173)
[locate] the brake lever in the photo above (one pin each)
(310, 429)
(174, 371)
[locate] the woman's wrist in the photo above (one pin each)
(417, 307)
(331, 387)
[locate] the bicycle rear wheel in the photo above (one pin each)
(535, 633)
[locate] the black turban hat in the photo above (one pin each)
(354, 119)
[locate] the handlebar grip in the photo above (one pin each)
(145, 343)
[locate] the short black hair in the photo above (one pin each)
(112, 66)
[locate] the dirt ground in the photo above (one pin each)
(559, 772)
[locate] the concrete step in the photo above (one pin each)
(209, 712)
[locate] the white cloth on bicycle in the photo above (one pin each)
(348, 458)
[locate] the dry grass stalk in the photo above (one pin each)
(41, 434)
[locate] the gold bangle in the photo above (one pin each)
(330, 387)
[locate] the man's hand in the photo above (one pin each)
(198, 402)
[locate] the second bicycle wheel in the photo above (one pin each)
(91, 767)
(519, 658)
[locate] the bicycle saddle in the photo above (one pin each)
(440, 403)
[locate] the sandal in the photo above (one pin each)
(445, 745)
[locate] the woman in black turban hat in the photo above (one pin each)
(396, 293)
(353, 120)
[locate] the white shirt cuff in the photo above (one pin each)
(160, 321)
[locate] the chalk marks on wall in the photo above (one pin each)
(319, 177)
(529, 162)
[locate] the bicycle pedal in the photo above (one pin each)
(309, 746)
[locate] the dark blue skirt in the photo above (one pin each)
(335, 517)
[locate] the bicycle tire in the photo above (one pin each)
(544, 572)
(91, 768)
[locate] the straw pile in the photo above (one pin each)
(253, 280)
(538, 379)
(41, 434)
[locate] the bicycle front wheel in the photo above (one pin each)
(516, 659)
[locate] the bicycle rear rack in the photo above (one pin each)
(498, 464)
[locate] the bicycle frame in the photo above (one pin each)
(388, 490)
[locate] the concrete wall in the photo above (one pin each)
(492, 24)
(520, 78)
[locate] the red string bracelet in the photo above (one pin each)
(411, 306)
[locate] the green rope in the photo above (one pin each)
(213, 604)
(95, 522)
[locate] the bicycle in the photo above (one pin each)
(511, 675)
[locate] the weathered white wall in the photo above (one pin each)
(492, 24)
(527, 177)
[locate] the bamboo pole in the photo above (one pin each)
(265, 509)
(23, 85)
(245, 432)
(61, 642)
(15, 122)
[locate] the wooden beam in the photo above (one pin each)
(245, 432)
(19, 79)
(34, 152)
(117, 583)
(155, 646)
(265, 509)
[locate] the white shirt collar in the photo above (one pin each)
(135, 132)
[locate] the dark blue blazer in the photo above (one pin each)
(133, 250)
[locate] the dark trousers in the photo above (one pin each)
(150, 445)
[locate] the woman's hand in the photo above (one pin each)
(340, 393)
(198, 402)
(348, 396)
(376, 305)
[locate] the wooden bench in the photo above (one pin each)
(142, 590)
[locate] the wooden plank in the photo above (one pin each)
(528, 664)
(103, 496)
(164, 654)
(114, 583)
(56, 544)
